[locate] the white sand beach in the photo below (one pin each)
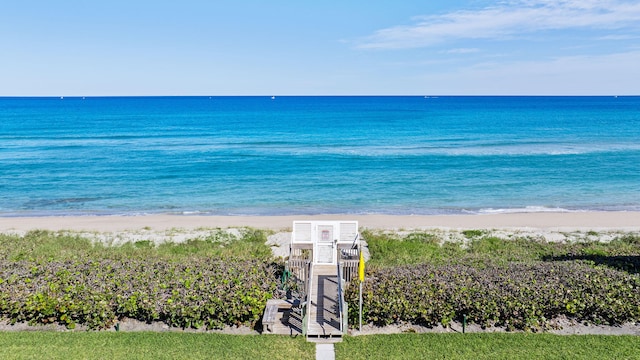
(552, 227)
(545, 221)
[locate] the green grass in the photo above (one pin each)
(219, 244)
(390, 250)
(488, 346)
(146, 345)
(169, 345)
(387, 250)
(47, 245)
(415, 248)
(165, 345)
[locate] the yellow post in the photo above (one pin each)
(361, 266)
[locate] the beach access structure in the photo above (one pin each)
(323, 259)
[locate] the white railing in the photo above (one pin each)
(342, 305)
(307, 299)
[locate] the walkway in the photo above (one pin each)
(325, 352)
(324, 313)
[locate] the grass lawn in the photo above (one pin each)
(147, 345)
(488, 346)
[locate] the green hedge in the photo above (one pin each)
(197, 293)
(516, 296)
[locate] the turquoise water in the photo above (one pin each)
(311, 155)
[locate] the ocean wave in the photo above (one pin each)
(58, 202)
(19, 148)
(313, 210)
(414, 151)
(527, 209)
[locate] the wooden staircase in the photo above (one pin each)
(324, 312)
(323, 258)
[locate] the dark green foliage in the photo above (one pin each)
(521, 283)
(516, 296)
(209, 283)
(473, 233)
(200, 293)
(631, 239)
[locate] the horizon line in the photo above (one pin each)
(321, 95)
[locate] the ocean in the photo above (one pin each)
(293, 155)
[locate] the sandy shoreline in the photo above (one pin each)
(580, 221)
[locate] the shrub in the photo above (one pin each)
(197, 293)
(516, 296)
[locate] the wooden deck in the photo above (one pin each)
(283, 317)
(324, 318)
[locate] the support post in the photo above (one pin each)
(360, 328)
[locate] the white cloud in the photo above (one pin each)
(508, 19)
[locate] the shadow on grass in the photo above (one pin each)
(627, 263)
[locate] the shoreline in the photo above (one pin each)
(553, 221)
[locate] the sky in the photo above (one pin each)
(329, 47)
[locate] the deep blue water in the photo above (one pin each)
(310, 155)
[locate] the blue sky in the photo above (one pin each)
(240, 47)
